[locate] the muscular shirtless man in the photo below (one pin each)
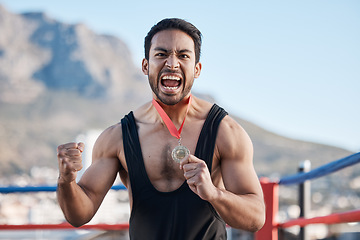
(215, 184)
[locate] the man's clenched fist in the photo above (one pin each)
(70, 161)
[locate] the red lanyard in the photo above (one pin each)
(169, 124)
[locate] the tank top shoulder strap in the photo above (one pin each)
(207, 138)
(132, 151)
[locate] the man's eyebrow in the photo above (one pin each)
(167, 51)
(184, 51)
(161, 49)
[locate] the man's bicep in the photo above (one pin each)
(236, 153)
(101, 174)
(240, 178)
(99, 178)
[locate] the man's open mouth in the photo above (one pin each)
(171, 82)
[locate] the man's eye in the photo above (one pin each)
(184, 56)
(160, 54)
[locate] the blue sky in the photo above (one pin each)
(292, 67)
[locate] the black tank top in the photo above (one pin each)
(176, 215)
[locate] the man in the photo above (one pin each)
(173, 194)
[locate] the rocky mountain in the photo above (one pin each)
(58, 80)
(38, 53)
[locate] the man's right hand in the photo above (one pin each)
(70, 161)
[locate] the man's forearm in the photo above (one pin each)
(75, 203)
(243, 212)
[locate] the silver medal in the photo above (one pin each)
(179, 152)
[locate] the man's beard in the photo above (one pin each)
(170, 100)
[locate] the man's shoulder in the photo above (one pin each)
(230, 125)
(232, 135)
(111, 133)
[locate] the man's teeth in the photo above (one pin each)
(171, 78)
(170, 88)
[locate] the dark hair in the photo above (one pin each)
(175, 23)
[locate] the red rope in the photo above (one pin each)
(124, 226)
(345, 217)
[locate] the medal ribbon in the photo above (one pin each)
(169, 124)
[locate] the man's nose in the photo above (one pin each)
(172, 62)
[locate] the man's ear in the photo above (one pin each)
(198, 67)
(145, 66)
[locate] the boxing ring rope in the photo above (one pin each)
(322, 171)
(271, 195)
(61, 226)
(345, 217)
(27, 189)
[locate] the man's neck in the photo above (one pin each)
(176, 112)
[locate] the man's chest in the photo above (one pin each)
(157, 145)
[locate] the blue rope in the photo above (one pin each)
(323, 170)
(16, 189)
(297, 178)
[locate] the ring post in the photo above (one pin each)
(271, 196)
